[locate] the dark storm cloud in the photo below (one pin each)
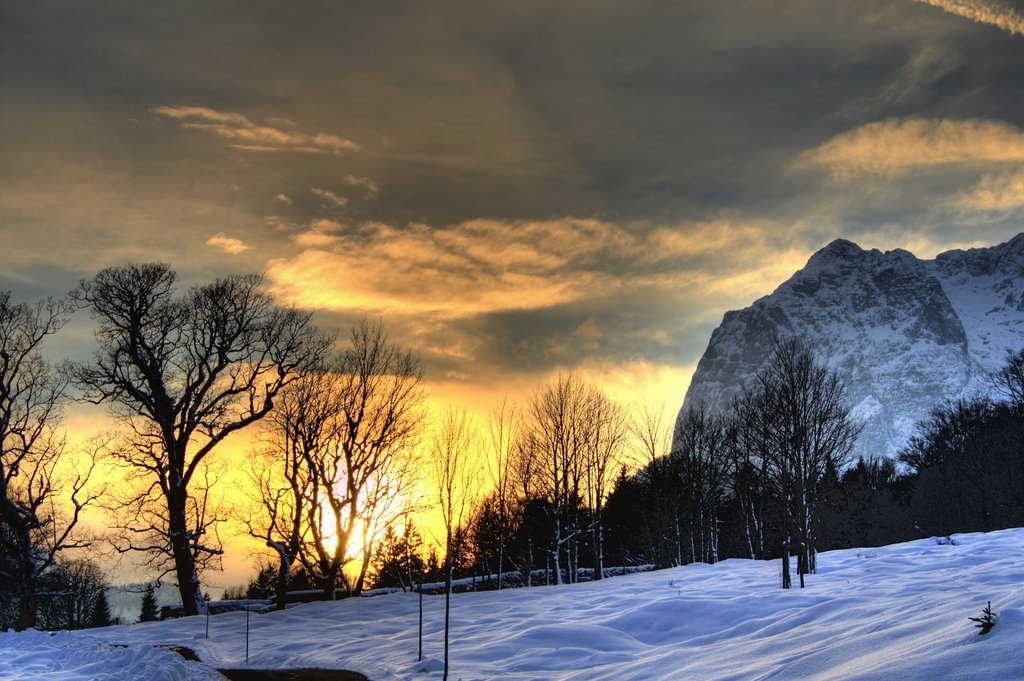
(403, 152)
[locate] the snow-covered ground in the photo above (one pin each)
(898, 612)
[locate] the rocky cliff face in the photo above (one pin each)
(907, 333)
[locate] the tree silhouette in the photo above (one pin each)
(183, 372)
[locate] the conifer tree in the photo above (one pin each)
(150, 612)
(101, 611)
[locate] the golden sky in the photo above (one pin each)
(515, 188)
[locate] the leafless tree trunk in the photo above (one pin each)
(183, 372)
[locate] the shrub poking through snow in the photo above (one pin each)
(986, 621)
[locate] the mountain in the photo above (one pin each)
(906, 333)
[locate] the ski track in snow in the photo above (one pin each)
(897, 612)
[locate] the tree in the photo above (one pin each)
(658, 481)
(359, 476)
(503, 431)
(454, 449)
(608, 429)
(183, 372)
(101, 616)
(303, 421)
(798, 422)
(556, 433)
(1009, 380)
(396, 560)
(33, 532)
(150, 612)
(701, 449)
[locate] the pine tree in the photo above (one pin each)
(150, 612)
(101, 611)
(987, 620)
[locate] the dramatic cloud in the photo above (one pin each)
(246, 135)
(486, 266)
(329, 197)
(984, 12)
(227, 244)
(897, 147)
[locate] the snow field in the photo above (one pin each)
(895, 612)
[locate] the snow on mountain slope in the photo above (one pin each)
(907, 333)
(897, 612)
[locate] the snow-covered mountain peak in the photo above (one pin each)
(907, 333)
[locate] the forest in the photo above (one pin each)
(566, 486)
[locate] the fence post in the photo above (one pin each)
(246, 632)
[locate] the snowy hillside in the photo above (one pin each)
(907, 333)
(893, 612)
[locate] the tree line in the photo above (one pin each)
(554, 489)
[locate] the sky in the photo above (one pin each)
(514, 188)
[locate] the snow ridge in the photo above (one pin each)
(907, 333)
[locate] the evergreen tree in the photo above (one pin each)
(101, 611)
(150, 611)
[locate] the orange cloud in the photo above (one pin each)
(900, 146)
(227, 244)
(489, 265)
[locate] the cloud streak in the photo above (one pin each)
(984, 12)
(899, 146)
(329, 197)
(244, 134)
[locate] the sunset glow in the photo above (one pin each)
(516, 190)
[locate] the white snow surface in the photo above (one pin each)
(897, 612)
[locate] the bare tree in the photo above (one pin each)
(302, 422)
(503, 433)
(363, 466)
(71, 592)
(802, 429)
(32, 529)
(607, 425)
(556, 428)
(701, 448)
(1009, 381)
(524, 468)
(454, 450)
(748, 469)
(183, 372)
(652, 439)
